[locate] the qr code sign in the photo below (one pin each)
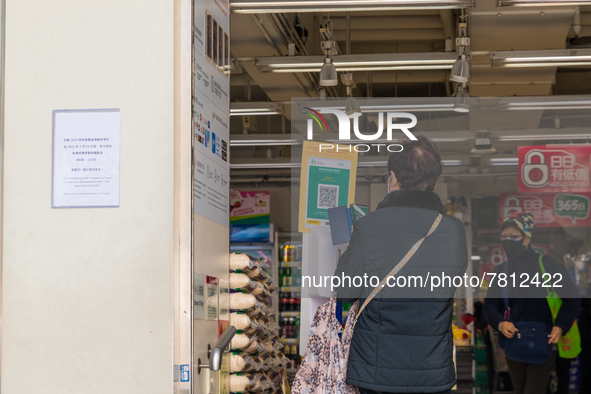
(328, 196)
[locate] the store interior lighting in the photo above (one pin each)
(328, 74)
(259, 7)
(255, 108)
(462, 100)
(542, 3)
(564, 136)
(514, 104)
(542, 58)
(373, 62)
(504, 161)
(362, 163)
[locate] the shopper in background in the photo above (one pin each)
(404, 345)
(532, 306)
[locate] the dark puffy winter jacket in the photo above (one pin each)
(403, 341)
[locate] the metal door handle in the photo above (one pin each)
(215, 355)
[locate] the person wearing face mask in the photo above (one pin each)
(403, 340)
(528, 304)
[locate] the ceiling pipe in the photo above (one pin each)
(391, 22)
(391, 35)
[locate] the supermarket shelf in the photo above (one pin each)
(291, 264)
(290, 341)
(290, 314)
(291, 289)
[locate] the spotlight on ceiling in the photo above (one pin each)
(460, 71)
(352, 106)
(462, 100)
(328, 74)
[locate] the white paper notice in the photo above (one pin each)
(86, 158)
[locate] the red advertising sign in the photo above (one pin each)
(548, 209)
(554, 168)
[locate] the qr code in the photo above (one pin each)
(328, 196)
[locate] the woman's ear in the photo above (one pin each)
(526, 241)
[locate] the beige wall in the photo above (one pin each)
(87, 293)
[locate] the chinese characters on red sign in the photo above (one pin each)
(548, 209)
(554, 168)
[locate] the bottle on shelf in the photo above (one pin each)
(280, 274)
(283, 302)
(287, 277)
(297, 276)
(282, 328)
(294, 355)
(290, 327)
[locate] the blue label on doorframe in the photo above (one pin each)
(185, 375)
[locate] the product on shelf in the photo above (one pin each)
(244, 362)
(242, 282)
(256, 345)
(240, 341)
(245, 302)
(245, 382)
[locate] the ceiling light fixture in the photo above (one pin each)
(527, 104)
(538, 3)
(545, 58)
(542, 137)
(255, 108)
(328, 73)
(369, 62)
(504, 161)
(264, 142)
(258, 7)
(462, 100)
(460, 71)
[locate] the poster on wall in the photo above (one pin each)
(85, 160)
(211, 111)
(554, 168)
(548, 209)
(329, 177)
(249, 207)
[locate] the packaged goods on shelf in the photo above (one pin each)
(244, 362)
(252, 383)
(242, 282)
(242, 321)
(242, 341)
(244, 302)
(245, 382)
(256, 345)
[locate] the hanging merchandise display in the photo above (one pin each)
(257, 363)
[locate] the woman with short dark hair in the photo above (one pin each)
(402, 342)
